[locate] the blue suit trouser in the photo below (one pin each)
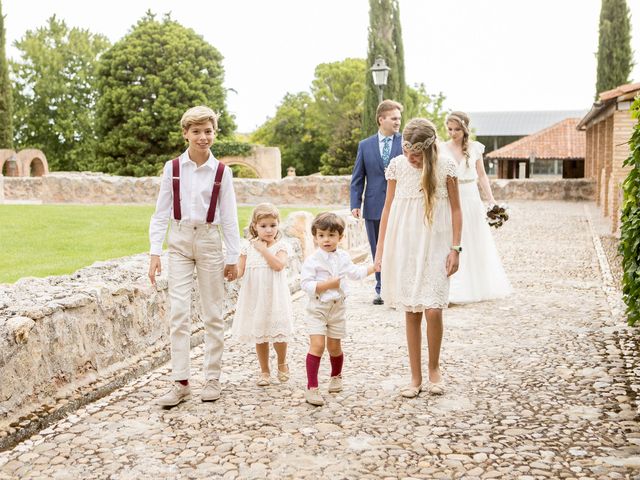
(373, 228)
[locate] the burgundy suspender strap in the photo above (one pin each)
(214, 193)
(177, 213)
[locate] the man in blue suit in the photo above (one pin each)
(374, 154)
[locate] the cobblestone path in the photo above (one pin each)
(540, 385)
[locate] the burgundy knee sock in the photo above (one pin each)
(336, 364)
(313, 365)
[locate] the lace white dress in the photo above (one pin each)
(480, 274)
(264, 311)
(414, 276)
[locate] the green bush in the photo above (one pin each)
(630, 229)
(231, 148)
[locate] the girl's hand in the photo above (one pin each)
(259, 245)
(452, 262)
(377, 262)
(230, 272)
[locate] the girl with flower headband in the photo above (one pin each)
(480, 275)
(419, 245)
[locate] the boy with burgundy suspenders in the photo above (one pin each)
(197, 197)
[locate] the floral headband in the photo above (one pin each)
(458, 119)
(418, 146)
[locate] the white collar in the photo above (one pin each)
(327, 255)
(381, 137)
(211, 162)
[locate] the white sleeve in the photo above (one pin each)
(351, 270)
(308, 282)
(229, 217)
(162, 215)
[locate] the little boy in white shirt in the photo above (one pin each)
(323, 278)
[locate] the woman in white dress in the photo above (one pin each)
(480, 275)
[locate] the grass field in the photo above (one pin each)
(42, 240)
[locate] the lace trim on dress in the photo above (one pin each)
(278, 338)
(417, 308)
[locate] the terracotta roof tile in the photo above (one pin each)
(559, 141)
(618, 91)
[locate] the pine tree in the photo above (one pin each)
(615, 58)
(142, 95)
(385, 40)
(6, 123)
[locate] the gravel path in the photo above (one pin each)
(540, 385)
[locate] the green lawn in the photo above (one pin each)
(42, 240)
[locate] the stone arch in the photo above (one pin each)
(229, 161)
(33, 163)
(8, 155)
(265, 161)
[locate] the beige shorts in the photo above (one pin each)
(326, 318)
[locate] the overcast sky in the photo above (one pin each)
(484, 55)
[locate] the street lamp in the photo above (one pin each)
(380, 73)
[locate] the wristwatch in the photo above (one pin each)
(457, 248)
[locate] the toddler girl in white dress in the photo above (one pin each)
(264, 311)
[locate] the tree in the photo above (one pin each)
(295, 133)
(615, 58)
(385, 40)
(311, 130)
(338, 91)
(146, 81)
(6, 112)
(341, 154)
(418, 103)
(55, 93)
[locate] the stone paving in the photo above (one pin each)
(540, 385)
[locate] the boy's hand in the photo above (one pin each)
(155, 268)
(230, 272)
(371, 269)
(452, 262)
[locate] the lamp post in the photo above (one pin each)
(380, 73)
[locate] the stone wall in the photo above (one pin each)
(91, 188)
(534, 189)
(82, 332)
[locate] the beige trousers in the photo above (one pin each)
(195, 246)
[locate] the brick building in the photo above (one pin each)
(608, 127)
(556, 150)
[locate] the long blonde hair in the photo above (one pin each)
(261, 211)
(462, 119)
(419, 135)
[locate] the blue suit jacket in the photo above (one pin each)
(368, 176)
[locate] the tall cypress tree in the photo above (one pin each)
(615, 58)
(385, 40)
(6, 124)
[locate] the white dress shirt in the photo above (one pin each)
(321, 266)
(196, 184)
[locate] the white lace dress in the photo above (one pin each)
(480, 274)
(264, 311)
(414, 276)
